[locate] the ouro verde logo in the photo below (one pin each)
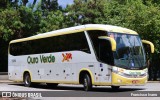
(41, 59)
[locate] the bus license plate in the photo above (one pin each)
(135, 81)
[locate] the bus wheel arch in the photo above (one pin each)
(85, 79)
(27, 79)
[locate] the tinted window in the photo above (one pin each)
(105, 53)
(69, 42)
(94, 34)
(102, 48)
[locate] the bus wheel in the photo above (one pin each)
(27, 80)
(52, 84)
(87, 83)
(115, 87)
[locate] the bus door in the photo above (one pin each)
(103, 73)
(106, 59)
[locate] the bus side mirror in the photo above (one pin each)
(148, 46)
(112, 41)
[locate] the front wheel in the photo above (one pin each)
(27, 80)
(87, 83)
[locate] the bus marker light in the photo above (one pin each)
(119, 81)
(96, 78)
(101, 65)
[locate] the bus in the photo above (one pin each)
(91, 55)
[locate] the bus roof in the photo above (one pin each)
(108, 28)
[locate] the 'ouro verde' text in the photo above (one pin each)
(41, 59)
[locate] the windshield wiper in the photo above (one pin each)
(133, 50)
(131, 58)
(137, 58)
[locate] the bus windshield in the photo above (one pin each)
(129, 53)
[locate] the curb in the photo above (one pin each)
(153, 82)
(6, 81)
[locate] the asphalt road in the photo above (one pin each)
(151, 91)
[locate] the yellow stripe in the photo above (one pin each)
(113, 42)
(149, 43)
(17, 80)
(88, 70)
(102, 83)
(77, 29)
(114, 29)
(26, 70)
(45, 36)
(60, 82)
(48, 81)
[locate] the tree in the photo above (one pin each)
(49, 5)
(16, 23)
(51, 22)
(10, 25)
(87, 11)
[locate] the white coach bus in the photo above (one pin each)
(91, 54)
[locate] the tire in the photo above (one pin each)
(27, 80)
(52, 84)
(115, 87)
(87, 83)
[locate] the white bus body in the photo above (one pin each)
(76, 66)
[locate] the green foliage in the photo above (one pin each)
(31, 20)
(10, 23)
(51, 22)
(87, 11)
(49, 5)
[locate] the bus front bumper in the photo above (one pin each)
(118, 80)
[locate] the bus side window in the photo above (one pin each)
(105, 52)
(94, 34)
